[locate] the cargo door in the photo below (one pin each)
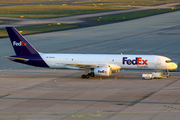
(158, 63)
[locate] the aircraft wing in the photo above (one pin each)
(93, 65)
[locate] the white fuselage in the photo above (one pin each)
(149, 62)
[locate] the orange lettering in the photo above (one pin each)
(138, 60)
(145, 62)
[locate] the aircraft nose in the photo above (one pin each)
(174, 65)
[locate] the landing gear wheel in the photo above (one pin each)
(83, 76)
(92, 75)
(87, 76)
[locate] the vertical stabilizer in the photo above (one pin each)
(21, 46)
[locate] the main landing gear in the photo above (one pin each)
(88, 75)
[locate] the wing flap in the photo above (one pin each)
(93, 65)
(84, 65)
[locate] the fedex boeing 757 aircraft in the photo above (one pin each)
(93, 64)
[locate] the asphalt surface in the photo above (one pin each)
(36, 93)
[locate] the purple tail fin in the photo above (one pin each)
(20, 44)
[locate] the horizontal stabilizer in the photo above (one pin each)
(15, 58)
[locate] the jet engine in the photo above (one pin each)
(102, 71)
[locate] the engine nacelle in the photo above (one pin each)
(102, 71)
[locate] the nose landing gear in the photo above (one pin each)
(166, 73)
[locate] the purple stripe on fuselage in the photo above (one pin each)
(34, 60)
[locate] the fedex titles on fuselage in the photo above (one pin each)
(136, 61)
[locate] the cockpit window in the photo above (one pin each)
(168, 61)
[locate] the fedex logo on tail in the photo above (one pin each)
(21, 43)
(136, 61)
(101, 71)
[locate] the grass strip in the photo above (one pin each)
(49, 11)
(127, 2)
(23, 1)
(128, 16)
(101, 2)
(39, 29)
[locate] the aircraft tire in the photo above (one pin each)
(87, 76)
(92, 75)
(83, 76)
